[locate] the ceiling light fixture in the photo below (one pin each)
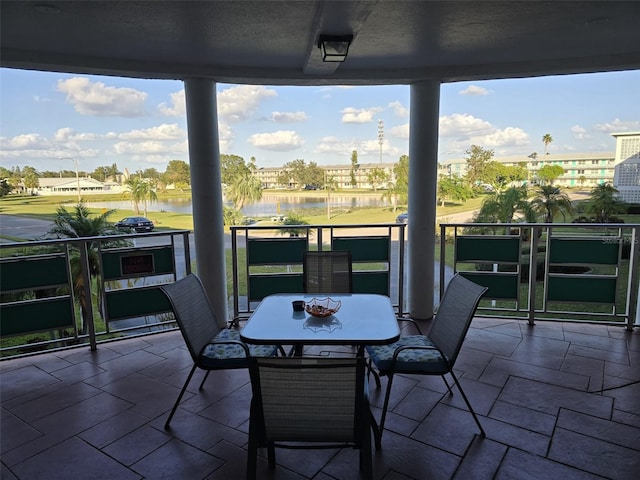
(334, 48)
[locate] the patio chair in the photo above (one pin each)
(309, 403)
(211, 347)
(327, 271)
(435, 353)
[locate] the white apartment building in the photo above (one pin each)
(627, 166)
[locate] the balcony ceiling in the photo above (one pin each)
(275, 42)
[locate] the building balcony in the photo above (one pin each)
(556, 400)
(556, 390)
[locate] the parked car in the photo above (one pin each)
(139, 224)
(403, 218)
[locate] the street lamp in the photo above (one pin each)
(77, 175)
(380, 136)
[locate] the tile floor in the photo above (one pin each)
(557, 400)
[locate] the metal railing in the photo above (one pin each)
(67, 292)
(268, 259)
(549, 271)
(566, 272)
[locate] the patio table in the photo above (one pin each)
(363, 319)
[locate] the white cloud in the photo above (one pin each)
(463, 124)
(399, 109)
(288, 117)
(149, 147)
(400, 131)
(579, 132)
(335, 145)
(618, 126)
(27, 141)
(359, 115)
(161, 132)
(239, 103)
(177, 108)
(507, 137)
(226, 136)
(97, 99)
(463, 130)
(68, 134)
(372, 148)
(474, 90)
(280, 141)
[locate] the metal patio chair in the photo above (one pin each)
(211, 347)
(435, 353)
(309, 403)
(327, 271)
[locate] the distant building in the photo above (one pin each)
(627, 166)
(581, 170)
(341, 174)
(69, 186)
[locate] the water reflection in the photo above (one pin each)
(269, 205)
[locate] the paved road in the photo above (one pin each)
(23, 227)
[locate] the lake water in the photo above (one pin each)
(269, 205)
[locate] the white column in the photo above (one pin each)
(206, 191)
(423, 168)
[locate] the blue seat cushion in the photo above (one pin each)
(226, 355)
(426, 361)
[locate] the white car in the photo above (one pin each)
(278, 218)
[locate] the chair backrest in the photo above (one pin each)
(309, 399)
(327, 271)
(454, 316)
(193, 312)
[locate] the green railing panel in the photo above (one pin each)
(593, 251)
(370, 282)
(364, 249)
(137, 302)
(36, 316)
(487, 249)
(33, 273)
(500, 286)
(581, 289)
(273, 251)
(137, 263)
(261, 286)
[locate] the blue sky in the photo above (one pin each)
(140, 124)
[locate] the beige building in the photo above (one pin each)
(341, 174)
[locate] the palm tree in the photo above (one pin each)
(546, 139)
(550, 201)
(244, 189)
(78, 224)
(140, 190)
(604, 204)
(503, 207)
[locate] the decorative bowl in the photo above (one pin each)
(322, 307)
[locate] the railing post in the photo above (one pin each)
(187, 252)
(533, 274)
(633, 289)
(87, 317)
(234, 270)
(401, 247)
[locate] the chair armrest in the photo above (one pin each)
(412, 321)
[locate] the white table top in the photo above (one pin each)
(363, 319)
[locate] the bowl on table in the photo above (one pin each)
(322, 307)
